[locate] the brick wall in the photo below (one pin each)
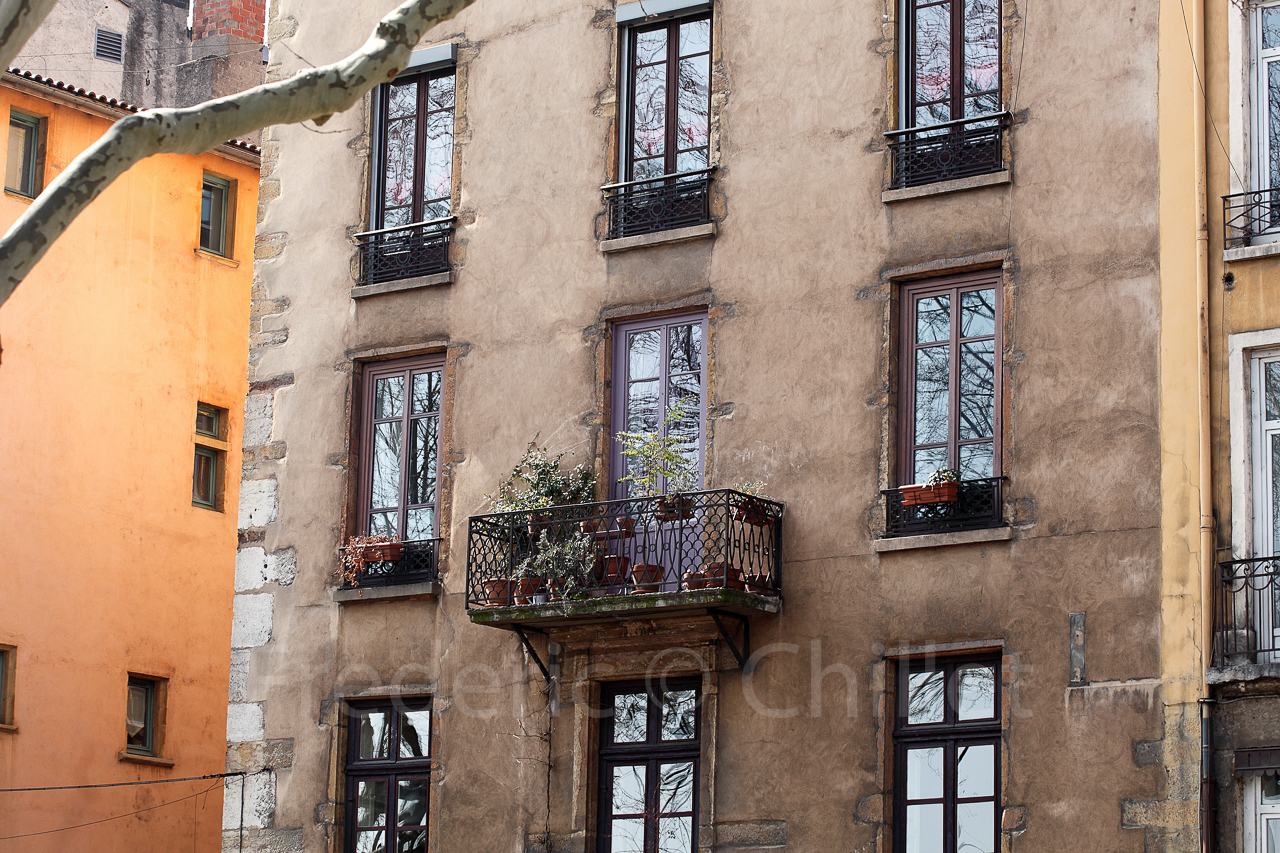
(242, 18)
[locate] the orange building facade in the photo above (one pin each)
(122, 381)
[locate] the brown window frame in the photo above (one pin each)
(370, 373)
(211, 446)
(157, 704)
(953, 285)
(419, 205)
(389, 770)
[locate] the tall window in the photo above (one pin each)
(210, 451)
(388, 774)
(22, 173)
(8, 666)
(659, 365)
(950, 368)
(1266, 100)
(953, 48)
(649, 748)
(947, 756)
(1265, 381)
(669, 111)
(399, 447)
(215, 203)
(416, 178)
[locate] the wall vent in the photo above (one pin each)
(109, 46)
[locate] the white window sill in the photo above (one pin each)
(939, 540)
(361, 291)
(1244, 253)
(427, 589)
(942, 187)
(659, 238)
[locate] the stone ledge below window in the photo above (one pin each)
(659, 238)
(5, 727)
(960, 184)
(360, 291)
(1242, 672)
(938, 540)
(1245, 253)
(146, 759)
(427, 589)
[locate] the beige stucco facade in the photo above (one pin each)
(801, 282)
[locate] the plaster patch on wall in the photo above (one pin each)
(259, 801)
(258, 503)
(245, 722)
(257, 420)
(251, 620)
(238, 684)
(256, 568)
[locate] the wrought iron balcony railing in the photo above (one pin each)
(979, 505)
(1247, 627)
(652, 550)
(391, 254)
(417, 564)
(658, 204)
(1248, 216)
(944, 152)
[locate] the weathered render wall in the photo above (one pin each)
(108, 568)
(800, 285)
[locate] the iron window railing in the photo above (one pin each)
(720, 539)
(950, 150)
(658, 204)
(391, 254)
(1247, 628)
(417, 564)
(979, 506)
(1247, 216)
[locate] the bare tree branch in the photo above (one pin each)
(315, 93)
(19, 19)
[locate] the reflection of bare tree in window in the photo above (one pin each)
(925, 695)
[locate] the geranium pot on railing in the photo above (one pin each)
(362, 550)
(751, 511)
(943, 486)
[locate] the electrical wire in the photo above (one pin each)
(128, 784)
(1208, 112)
(108, 819)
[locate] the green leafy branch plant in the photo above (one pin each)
(564, 562)
(658, 464)
(538, 482)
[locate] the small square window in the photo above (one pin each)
(144, 716)
(108, 45)
(23, 169)
(215, 203)
(8, 662)
(210, 449)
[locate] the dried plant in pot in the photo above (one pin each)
(362, 550)
(943, 486)
(751, 511)
(560, 564)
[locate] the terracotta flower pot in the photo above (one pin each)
(497, 593)
(674, 508)
(752, 513)
(726, 575)
(626, 525)
(527, 588)
(612, 570)
(920, 495)
(378, 552)
(647, 577)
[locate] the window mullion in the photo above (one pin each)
(953, 390)
(406, 424)
(673, 98)
(420, 149)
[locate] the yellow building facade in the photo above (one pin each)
(122, 380)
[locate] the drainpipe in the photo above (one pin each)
(1208, 786)
(1199, 129)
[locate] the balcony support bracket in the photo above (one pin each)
(533, 653)
(740, 655)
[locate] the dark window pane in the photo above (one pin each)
(630, 718)
(384, 524)
(413, 841)
(371, 842)
(649, 124)
(21, 153)
(679, 715)
(1275, 499)
(932, 393)
(411, 808)
(1271, 381)
(1273, 122)
(204, 481)
(389, 397)
(933, 318)
(933, 53)
(977, 389)
(694, 105)
(925, 697)
(375, 732)
(928, 460)
(206, 421)
(977, 461)
(371, 803)
(422, 452)
(426, 392)
(1270, 27)
(415, 734)
(213, 200)
(685, 348)
(138, 716)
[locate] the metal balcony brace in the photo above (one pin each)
(533, 653)
(741, 656)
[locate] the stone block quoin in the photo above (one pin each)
(243, 18)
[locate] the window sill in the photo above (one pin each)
(1245, 253)
(939, 540)
(1241, 672)
(659, 238)
(427, 589)
(150, 760)
(5, 727)
(221, 259)
(19, 196)
(943, 187)
(360, 291)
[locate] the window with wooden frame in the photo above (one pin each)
(8, 683)
(650, 739)
(659, 364)
(24, 168)
(951, 377)
(216, 208)
(145, 715)
(399, 447)
(947, 756)
(208, 474)
(388, 776)
(951, 118)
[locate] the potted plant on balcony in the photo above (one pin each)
(660, 468)
(362, 550)
(943, 486)
(753, 512)
(556, 566)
